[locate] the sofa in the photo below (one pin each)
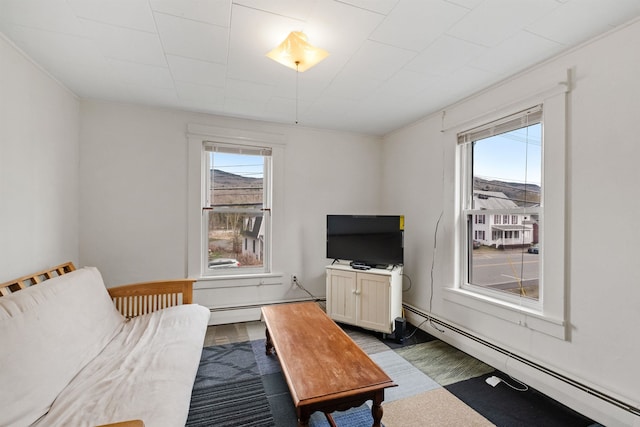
(73, 353)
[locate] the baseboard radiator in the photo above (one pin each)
(587, 389)
(260, 305)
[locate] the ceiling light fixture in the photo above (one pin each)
(295, 52)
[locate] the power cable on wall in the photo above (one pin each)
(313, 297)
(433, 262)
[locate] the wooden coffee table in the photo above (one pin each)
(325, 370)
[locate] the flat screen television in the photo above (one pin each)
(370, 240)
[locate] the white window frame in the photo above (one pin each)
(466, 142)
(549, 317)
(198, 136)
(266, 152)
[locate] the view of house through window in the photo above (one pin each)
(503, 212)
(236, 212)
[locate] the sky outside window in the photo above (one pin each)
(239, 164)
(514, 156)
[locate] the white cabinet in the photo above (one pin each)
(371, 299)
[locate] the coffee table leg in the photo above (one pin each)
(268, 344)
(303, 417)
(376, 408)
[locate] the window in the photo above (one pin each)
(236, 210)
(502, 168)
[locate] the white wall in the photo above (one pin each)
(39, 122)
(602, 348)
(134, 197)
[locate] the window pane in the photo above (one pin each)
(506, 177)
(236, 222)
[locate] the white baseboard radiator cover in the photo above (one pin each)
(589, 390)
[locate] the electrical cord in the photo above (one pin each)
(433, 262)
(524, 386)
(315, 299)
(410, 283)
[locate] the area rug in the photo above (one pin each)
(507, 407)
(432, 408)
(443, 363)
(239, 385)
(355, 417)
(237, 403)
(228, 390)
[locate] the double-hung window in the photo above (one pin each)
(502, 180)
(236, 211)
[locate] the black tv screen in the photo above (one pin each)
(373, 240)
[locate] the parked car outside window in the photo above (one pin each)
(224, 263)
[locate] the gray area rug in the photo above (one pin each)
(228, 390)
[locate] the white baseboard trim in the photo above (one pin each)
(247, 313)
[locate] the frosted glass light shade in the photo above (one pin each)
(295, 52)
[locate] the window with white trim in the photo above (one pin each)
(502, 177)
(236, 212)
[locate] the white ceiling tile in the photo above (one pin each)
(206, 96)
(134, 14)
(445, 55)
(216, 12)
(464, 82)
(126, 44)
(140, 74)
(341, 29)
(153, 96)
(379, 6)
(516, 53)
(587, 19)
(243, 107)
(296, 9)
(414, 25)
(407, 83)
(248, 90)
(65, 56)
(192, 39)
(354, 88)
(469, 4)
(49, 15)
(377, 61)
(493, 21)
(196, 71)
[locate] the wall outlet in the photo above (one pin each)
(294, 281)
(493, 381)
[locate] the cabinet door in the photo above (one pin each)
(341, 296)
(373, 302)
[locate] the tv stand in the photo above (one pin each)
(370, 299)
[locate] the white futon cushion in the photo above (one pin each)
(146, 372)
(48, 333)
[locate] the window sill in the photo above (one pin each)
(519, 315)
(238, 280)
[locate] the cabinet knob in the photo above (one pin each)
(355, 292)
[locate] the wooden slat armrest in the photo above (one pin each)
(141, 298)
(132, 423)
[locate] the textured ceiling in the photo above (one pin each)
(391, 61)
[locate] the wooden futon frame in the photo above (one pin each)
(130, 300)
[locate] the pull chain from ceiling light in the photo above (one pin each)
(297, 78)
